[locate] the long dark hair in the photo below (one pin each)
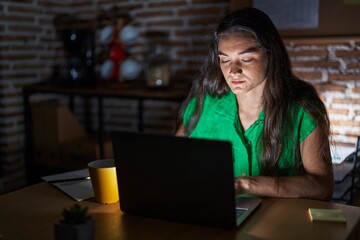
(282, 88)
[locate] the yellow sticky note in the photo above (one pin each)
(322, 214)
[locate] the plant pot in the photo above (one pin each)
(83, 231)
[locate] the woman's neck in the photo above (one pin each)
(249, 108)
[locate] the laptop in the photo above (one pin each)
(178, 179)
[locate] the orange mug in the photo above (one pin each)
(104, 180)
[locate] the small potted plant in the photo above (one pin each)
(76, 224)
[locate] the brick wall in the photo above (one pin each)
(333, 66)
(27, 53)
(29, 50)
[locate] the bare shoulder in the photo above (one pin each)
(180, 131)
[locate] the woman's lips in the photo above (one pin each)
(237, 82)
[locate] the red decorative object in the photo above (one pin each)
(117, 55)
(114, 43)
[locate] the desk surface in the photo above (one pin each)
(31, 212)
(176, 91)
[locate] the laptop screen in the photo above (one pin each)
(175, 178)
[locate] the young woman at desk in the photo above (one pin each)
(246, 93)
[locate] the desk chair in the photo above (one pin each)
(345, 177)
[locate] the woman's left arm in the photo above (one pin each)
(316, 183)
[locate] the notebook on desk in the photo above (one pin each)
(76, 184)
(179, 179)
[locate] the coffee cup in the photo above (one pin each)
(104, 180)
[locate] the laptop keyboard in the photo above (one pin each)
(240, 211)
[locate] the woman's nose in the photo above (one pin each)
(235, 67)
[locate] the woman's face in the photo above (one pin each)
(243, 63)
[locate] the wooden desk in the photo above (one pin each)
(30, 213)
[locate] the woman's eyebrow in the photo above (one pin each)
(248, 50)
(251, 49)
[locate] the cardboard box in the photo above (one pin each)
(76, 153)
(48, 156)
(52, 124)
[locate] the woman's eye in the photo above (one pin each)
(224, 61)
(247, 60)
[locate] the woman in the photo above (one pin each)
(246, 93)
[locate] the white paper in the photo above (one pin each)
(339, 153)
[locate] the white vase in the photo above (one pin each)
(83, 231)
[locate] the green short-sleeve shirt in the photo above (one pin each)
(219, 120)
